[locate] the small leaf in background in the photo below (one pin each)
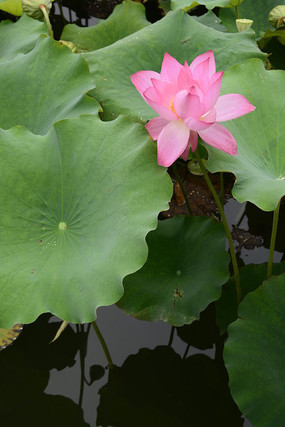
(7, 336)
(189, 4)
(75, 207)
(254, 354)
(184, 272)
(127, 18)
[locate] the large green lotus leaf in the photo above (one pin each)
(251, 277)
(260, 164)
(254, 355)
(44, 86)
(75, 207)
(127, 18)
(14, 7)
(178, 34)
(19, 37)
(186, 267)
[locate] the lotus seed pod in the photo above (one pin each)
(32, 7)
(243, 24)
(277, 16)
(72, 46)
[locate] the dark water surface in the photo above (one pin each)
(157, 381)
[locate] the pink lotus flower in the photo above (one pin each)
(188, 103)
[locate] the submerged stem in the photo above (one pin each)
(103, 344)
(225, 224)
(47, 21)
(178, 179)
(273, 239)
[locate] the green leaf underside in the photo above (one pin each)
(251, 277)
(19, 37)
(186, 267)
(260, 164)
(75, 206)
(255, 352)
(178, 34)
(188, 4)
(127, 18)
(51, 88)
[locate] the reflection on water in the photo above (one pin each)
(153, 383)
(163, 376)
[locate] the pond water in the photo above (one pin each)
(158, 378)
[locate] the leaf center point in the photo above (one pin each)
(62, 226)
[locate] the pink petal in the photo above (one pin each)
(186, 105)
(209, 117)
(208, 58)
(185, 79)
(231, 106)
(170, 68)
(142, 80)
(172, 142)
(213, 92)
(219, 137)
(192, 143)
(165, 90)
(155, 126)
(161, 110)
(196, 124)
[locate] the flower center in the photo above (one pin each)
(173, 109)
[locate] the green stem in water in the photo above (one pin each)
(225, 224)
(222, 188)
(273, 239)
(103, 344)
(178, 179)
(47, 21)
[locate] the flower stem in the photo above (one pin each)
(178, 179)
(47, 21)
(225, 224)
(236, 9)
(273, 239)
(103, 344)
